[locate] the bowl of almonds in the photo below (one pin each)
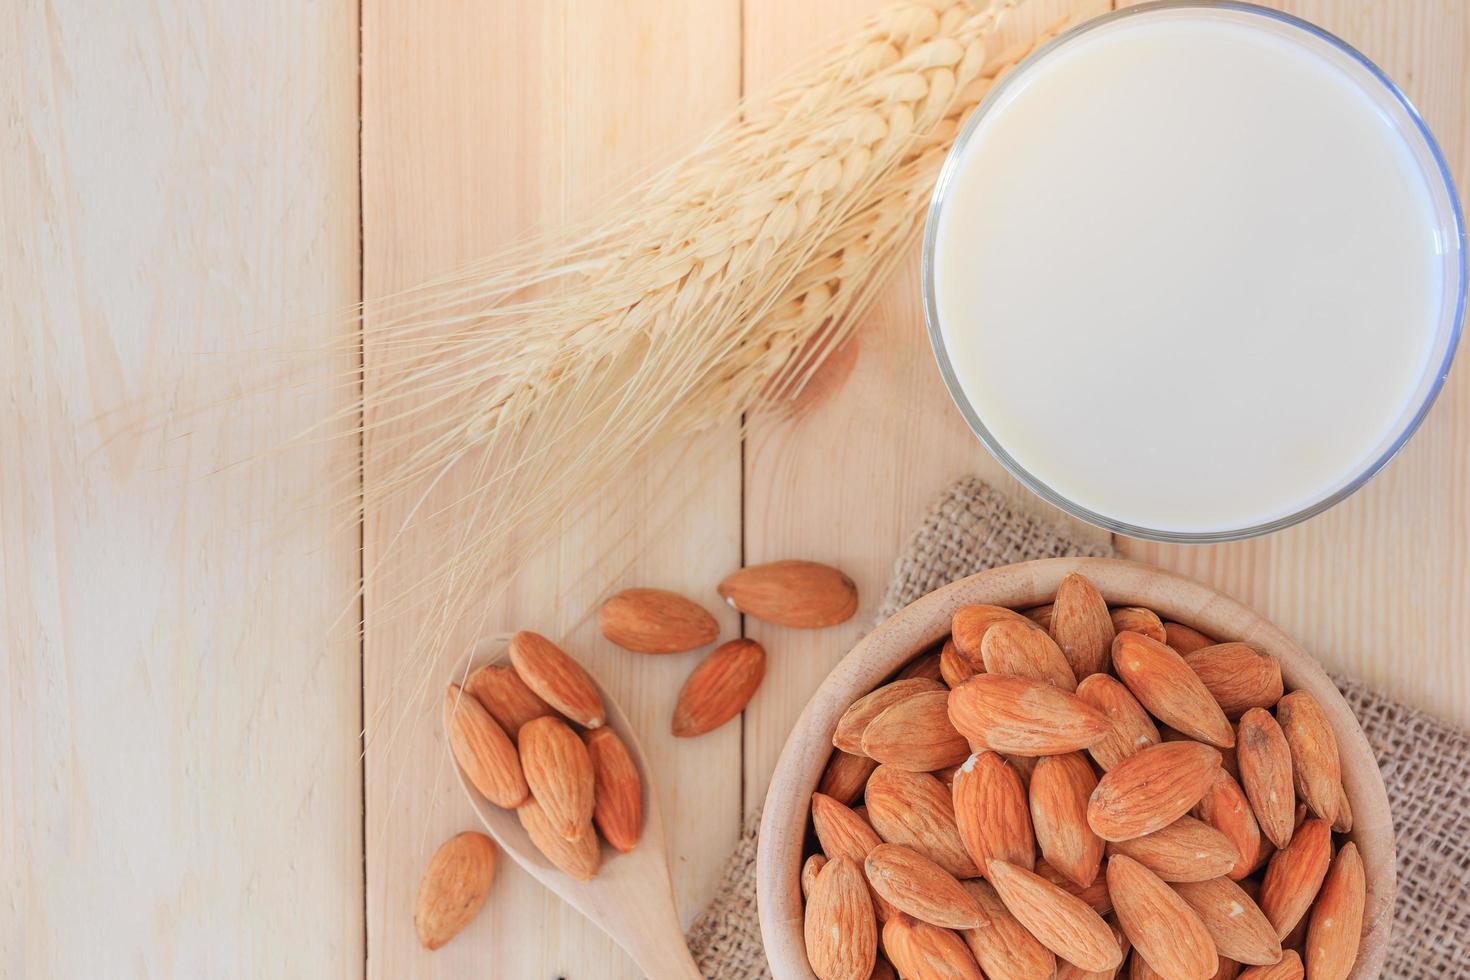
(1076, 768)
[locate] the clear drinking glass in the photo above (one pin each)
(1393, 104)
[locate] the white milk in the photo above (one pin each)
(1188, 274)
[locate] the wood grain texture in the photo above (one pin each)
(179, 778)
(480, 121)
(846, 479)
(1379, 586)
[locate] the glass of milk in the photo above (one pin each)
(1194, 271)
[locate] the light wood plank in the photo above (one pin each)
(847, 480)
(1380, 586)
(479, 121)
(179, 772)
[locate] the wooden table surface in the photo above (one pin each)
(202, 772)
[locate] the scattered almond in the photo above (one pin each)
(840, 929)
(1059, 791)
(990, 807)
(920, 951)
(1185, 639)
(1174, 694)
(1151, 789)
(1337, 918)
(1003, 947)
(1294, 875)
(1163, 929)
(656, 621)
(1060, 921)
(916, 734)
(915, 809)
(1314, 759)
(558, 679)
(1082, 625)
(1225, 807)
(502, 692)
(1139, 620)
(1185, 850)
(1130, 727)
(1265, 774)
(1025, 650)
(845, 776)
(618, 811)
(1020, 716)
(719, 688)
(483, 751)
(558, 769)
(970, 623)
(453, 887)
(915, 885)
(1240, 929)
(848, 735)
(801, 594)
(1290, 968)
(579, 857)
(1237, 676)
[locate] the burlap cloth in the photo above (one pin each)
(1425, 763)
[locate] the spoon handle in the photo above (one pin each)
(649, 930)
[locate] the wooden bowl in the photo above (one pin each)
(924, 622)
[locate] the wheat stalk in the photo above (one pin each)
(499, 400)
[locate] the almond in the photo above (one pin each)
(1337, 918)
(1290, 968)
(1021, 716)
(914, 809)
(920, 951)
(883, 970)
(1185, 639)
(578, 857)
(1344, 822)
(1059, 791)
(1151, 789)
(1163, 929)
(1095, 895)
(913, 884)
(845, 776)
(1225, 807)
(559, 680)
(843, 832)
(1041, 616)
(558, 769)
(719, 688)
(1062, 923)
(1265, 774)
(453, 887)
(954, 667)
(970, 623)
(1295, 874)
(1026, 651)
(656, 621)
(840, 930)
(618, 810)
(1237, 676)
(1139, 620)
(1070, 971)
(855, 720)
(484, 751)
(1131, 729)
(1082, 625)
(1240, 929)
(810, 868)
(802, 594)
(510, 702)
(1174, 694)
(1185, 850)
(925, 666)
(1002, 946)
(1314, 759)
(991, 811)
(916, 734)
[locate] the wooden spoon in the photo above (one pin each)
(632, 897)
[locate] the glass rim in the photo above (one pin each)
(1040, 488)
